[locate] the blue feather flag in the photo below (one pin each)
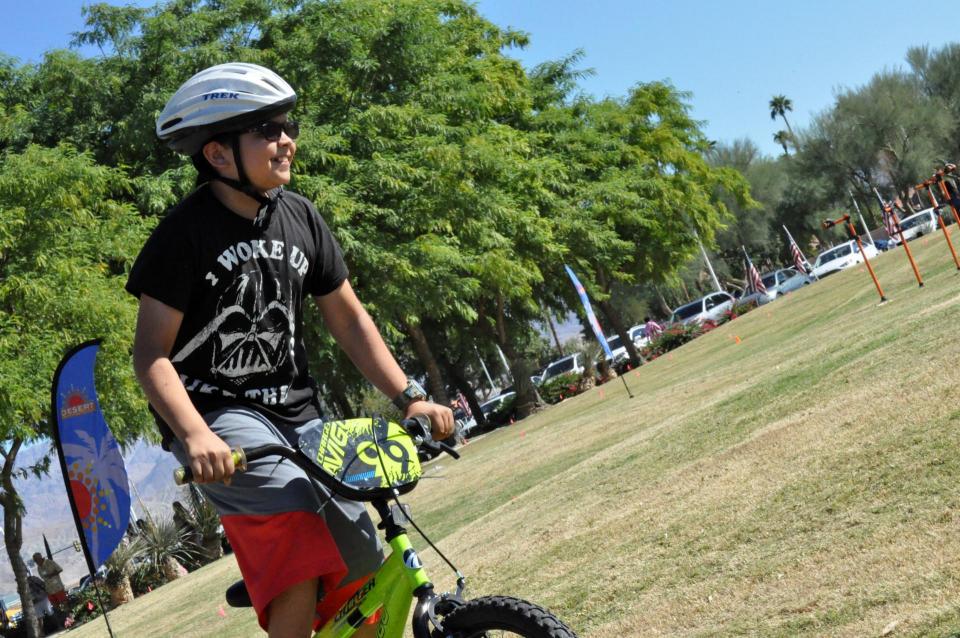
(90, 458)
(591, 318)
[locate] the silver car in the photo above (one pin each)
(777, 283)
(707, 308)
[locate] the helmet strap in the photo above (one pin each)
(268, 202)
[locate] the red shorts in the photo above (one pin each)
(278, 551)
(57, 598)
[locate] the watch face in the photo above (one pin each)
(414, 391)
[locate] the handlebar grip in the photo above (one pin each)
(418, 427)
(183, 475)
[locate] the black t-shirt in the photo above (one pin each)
(241, 291)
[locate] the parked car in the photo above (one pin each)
(708, 308)
(490, 405)
(839, 257)
(465, 422)
(11, 608)
(779, 282)
(917, 225)
(570, 363)
(793, 281)
(638, 334)
(497, 410)
(619, 351)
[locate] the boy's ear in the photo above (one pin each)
(218, 155)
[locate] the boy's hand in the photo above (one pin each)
(441, 417)
(210, 458)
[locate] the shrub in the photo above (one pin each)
(560, 387)
(673, 337)
(145, 577)
(740, 308)
(85, 605)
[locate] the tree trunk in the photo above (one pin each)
(171, 568)
(212, 549)
(528, 400)
(122, 593)
(461, 383)
(13, 537)
(664, 307)
(425, 355)
(613, 319)
(553, 331)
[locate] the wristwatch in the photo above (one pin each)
(413, 392)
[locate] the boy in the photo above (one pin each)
(219, 349)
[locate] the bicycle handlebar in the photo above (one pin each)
(418, 428)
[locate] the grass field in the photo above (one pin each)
(799, 482)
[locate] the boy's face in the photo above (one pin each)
(267, 163)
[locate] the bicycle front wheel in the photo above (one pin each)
(502, 617)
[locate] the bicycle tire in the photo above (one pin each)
(483, 617)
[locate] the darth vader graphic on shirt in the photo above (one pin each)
(251, 335)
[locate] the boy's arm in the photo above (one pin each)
(357, 335)
(157, 327)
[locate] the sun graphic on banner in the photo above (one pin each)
(76, 403)
(88, 496)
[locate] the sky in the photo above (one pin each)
(731, 56)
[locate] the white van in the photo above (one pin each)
(570, 363)
(917, 225)
(839, 257)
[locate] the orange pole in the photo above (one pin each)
(873, 275)
(946, 233)
(854, 236)
(903, 242)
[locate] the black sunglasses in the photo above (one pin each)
(271, 131)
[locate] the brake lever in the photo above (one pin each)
(449, 450)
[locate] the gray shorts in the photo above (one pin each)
(275, 486)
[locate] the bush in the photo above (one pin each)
(674, 337)
(560, 387)
(84, 605)
(145, 578)
(740, 308)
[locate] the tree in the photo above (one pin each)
(65, 245)
(782, 138)
(638, 191)
(779, 106)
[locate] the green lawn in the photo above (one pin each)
(801, 482)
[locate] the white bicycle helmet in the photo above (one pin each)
(221, 99)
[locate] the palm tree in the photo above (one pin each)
(166, 546)
(781, 138)
(119, 567)
(779, 105)
(206, 525)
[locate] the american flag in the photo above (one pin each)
(798, 259)
(754, 282)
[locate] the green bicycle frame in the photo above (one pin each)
(391, 589)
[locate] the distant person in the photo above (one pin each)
(954, 195)
(652, 328)
(38, 596)
(50, 571)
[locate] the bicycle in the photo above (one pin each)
(374, 460)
